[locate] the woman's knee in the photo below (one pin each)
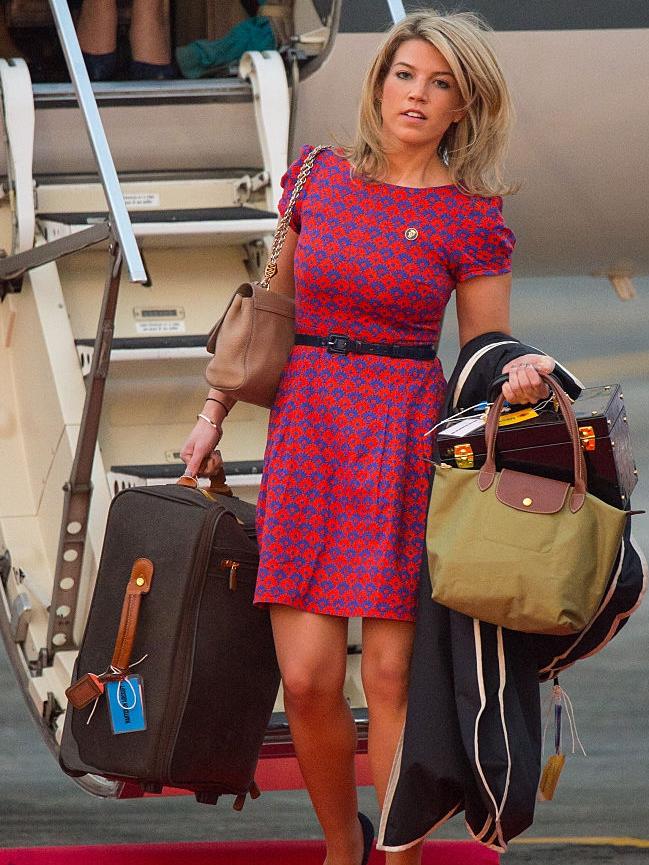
(305, 685)
(385, 666)
(385, 677)
(312, 654)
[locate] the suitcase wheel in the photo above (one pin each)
(151, 787)
(205, 797)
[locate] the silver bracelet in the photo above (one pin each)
(210, 422)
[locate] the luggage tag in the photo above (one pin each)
(554, 766)
(464, 427)
(126, 704)
(460, 428)
(86, 689)
(91, 687)
(517, 416)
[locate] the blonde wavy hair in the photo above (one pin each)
(473, 148)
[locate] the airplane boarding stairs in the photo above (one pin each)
(201, 234)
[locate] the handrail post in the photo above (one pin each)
(119, 218)
(78, 489)
(397, 10)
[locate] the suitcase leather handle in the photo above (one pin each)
(217, 481)
(138, 585)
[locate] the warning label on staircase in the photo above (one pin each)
(141, 199)
(152, 328)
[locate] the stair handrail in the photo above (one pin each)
(119, 218)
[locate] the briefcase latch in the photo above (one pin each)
(587, 436)
(463, 456)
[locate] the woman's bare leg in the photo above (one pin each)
(97, 26)
(150, 32)
(385, 665)
(312, 655)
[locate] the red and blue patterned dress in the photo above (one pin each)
(341, 510)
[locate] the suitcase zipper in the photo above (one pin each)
(232, 579)
(187, 642)
(233, 565)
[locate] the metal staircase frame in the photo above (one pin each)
(42, 664)
(267, 77)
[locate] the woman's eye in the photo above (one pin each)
(444, 84)
(403, 74)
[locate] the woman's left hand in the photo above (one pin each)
(525, 384)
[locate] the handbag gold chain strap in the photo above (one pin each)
(283, 225)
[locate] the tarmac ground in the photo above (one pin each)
(600, 813)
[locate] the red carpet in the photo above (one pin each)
(229, 853)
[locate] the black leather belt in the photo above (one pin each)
(337, 343)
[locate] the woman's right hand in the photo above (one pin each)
(199, 448)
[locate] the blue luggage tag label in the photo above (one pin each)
(126, 704)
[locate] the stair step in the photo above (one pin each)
(191, 226)
(143, 343)
(189, 214)
(183, 92)
(48, 682)
(243, 473)
(63, 664)
(170, 470)
(155, 191)
(277, 730)
(176, 347)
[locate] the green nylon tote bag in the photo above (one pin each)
(514, 549)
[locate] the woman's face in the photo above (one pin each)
(420, 96)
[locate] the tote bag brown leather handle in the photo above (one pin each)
(487, 473)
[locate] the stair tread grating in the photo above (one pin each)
(151, 342)
(144, 217)
(170, 470)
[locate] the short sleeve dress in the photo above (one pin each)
(341, 509)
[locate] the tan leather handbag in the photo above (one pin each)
(518, 550)
(252, 340)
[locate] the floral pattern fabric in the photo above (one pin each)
(341, 510)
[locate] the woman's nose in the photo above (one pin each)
(417, 90)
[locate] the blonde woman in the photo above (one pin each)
(384, 232)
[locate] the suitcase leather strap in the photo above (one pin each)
(138, 585)
(91, 686)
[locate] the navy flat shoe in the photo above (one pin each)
(101, 67)
(141, 71)
(368, 837)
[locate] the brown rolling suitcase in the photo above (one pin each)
(176, 676)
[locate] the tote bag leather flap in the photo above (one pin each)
(531, 493)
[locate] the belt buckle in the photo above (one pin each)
(337, 343)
